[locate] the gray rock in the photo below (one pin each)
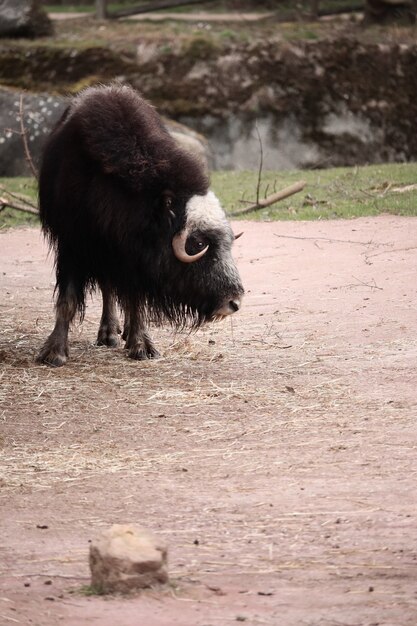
(126, 558)
(23, 18)
(40, 113)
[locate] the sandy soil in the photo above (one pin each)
(276, 453)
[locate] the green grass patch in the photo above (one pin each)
(69, 8)
(25, 187)
(281, 8)
(344, 192)
(329, 194)
(89, 590)
(113, 7)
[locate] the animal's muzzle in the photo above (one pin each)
(229, 307)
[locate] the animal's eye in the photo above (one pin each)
(195, 243)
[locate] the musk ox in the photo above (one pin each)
(129, 211)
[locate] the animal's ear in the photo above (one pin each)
(168, 204)
(167, 200)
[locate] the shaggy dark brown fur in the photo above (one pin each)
(113, 191)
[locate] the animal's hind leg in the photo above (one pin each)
(138, 340)
(109, 330)
(54, 351)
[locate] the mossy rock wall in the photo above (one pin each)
(345, 102)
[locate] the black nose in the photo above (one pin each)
(235, 306)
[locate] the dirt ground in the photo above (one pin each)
(275, 452)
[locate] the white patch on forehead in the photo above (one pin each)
(205, 213)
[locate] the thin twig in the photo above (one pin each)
(23, 134)
(372, 286)
(261, 162)
(361, 243)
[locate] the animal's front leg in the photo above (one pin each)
(138, 340)
(126, 324)
(54, 351)
(109, 330)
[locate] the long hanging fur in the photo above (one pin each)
(107, 170)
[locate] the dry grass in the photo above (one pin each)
(210, 412)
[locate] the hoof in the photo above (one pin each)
(108, 335)
(53, 353)
(142, 354)
(110, 340)
(53, 359)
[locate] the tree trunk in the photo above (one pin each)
(101, 9)
(314, 8)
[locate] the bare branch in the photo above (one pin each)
(20, 197)
(261, 163)
(16, 201)
(23, 134)
(275, 197)
(4, 203)
(13, 200)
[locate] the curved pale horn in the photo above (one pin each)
(178, 245)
